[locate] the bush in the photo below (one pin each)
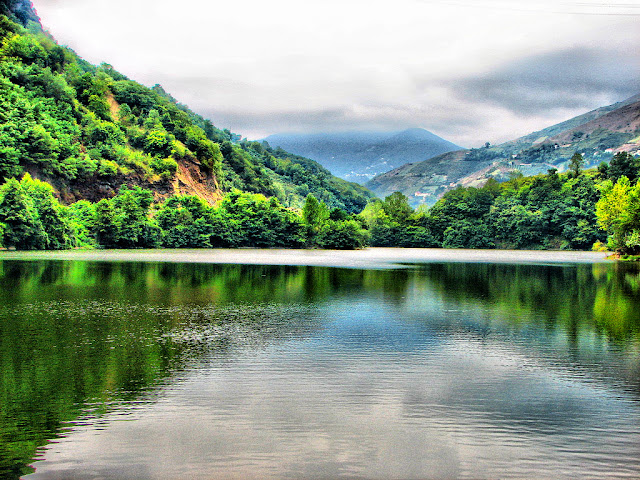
(165, 167)
(342, 235)
(107, 168)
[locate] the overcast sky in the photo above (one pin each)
(468, 70)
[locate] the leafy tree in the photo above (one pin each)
(397, 207)
(22, 227)
(314, 215)
(135, 228)
(106, 229)
(342, 235)
(618, 212)
(53, 216)
(465, 234)
(314, 212)
(83, 222)
(187, 221)
(623, 164)
(576, 163)
(251, 220)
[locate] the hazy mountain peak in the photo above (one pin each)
(360, 155)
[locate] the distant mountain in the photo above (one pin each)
(597, 134)
(359, 156)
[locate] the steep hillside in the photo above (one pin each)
(89, 129)
(597, 135)
(359, 156)
(569, 125)
(425, 182)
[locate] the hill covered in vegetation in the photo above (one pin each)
(575, 210)
(88, 129)
(597, 135)
(91, 158)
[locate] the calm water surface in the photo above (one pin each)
(147, 370)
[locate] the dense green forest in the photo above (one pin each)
(575, 210)
(88, 129)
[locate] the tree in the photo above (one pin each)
(51, 214)
(186, 221)
(314, 215)
(576, 163)
(397, 207)
(623, 164)
(342, 235)
(618, 212)
(466, 234)
(106, 230)
(22, 227)
(251, 220)
(135, 228)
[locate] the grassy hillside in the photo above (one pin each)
(597, 135)
(88, 129)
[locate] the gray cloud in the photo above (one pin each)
(576, 78)
(345, 118)
(467, 74)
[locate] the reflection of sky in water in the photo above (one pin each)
(418, 388)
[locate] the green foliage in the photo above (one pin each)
(33, 219)
(468, 234)
(251, 220)
(618, 213)
(22, 228)
(82, 217)
(315, 215)
(623, 164)
(342, 235)
(53, 216)
(397, 207)
(187, 222)
(575, 164)
(77, 123)
(165, 167)
(403, 228)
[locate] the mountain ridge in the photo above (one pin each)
(597, 135)
(360, 155)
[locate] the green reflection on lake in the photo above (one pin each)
(78, 339)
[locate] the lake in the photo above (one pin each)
(378, 364)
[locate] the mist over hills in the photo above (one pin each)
(597, 135)
(361, 155)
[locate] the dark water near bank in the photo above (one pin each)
(444, 370)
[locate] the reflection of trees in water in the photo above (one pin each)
(78, 333)
(104, 332)
(588, 313)
(600, 297)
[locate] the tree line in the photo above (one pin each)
(574, 210)
(31, 218)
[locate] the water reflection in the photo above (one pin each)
(310, 372)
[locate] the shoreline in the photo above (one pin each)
(372, 257)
